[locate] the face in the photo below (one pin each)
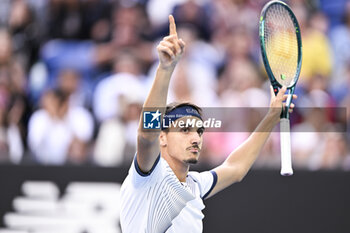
(183, 142)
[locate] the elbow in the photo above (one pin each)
(237, 172)
(242, 172)
(240, 177)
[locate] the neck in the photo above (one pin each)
(179, 168)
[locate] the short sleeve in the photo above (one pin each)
(206, 181)
(139, 178)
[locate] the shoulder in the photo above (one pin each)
(137, 178)
(202, 176)
(158, 164)
(205, 180)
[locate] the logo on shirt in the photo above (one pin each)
(151, 120)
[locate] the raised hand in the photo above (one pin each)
(171, 47)
(277, 102)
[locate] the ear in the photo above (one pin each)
(163, 139)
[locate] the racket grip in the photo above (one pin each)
(286, 157)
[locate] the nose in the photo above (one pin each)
(195, 138)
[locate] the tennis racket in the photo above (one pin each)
(280, 43)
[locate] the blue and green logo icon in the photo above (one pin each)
(151, 119)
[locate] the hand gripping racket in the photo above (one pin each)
(280, 43)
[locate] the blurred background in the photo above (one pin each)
(74, 75)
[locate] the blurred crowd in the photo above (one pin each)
(74, 75)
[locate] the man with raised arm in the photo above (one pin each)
(160, 194)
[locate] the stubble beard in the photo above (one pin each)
(191, 161)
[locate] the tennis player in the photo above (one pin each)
(160, 194)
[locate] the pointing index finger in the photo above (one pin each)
(172, 26)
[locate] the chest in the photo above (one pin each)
(173, 205)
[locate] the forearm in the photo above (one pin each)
(147, 141)
(157, 96)
(240, 160)
(238, 163)
(246, 154)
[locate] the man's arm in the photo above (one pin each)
(169, 50)
(238, 163)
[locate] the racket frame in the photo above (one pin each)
(275, 84)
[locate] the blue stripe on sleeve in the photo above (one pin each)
(215, 179)
(141, 173)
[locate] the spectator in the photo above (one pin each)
(65, 20)
(192, 13)
(117, 107)
(130, 32)
(309, 136)
(317, 56)
(59, 133)
(5, 7)
(97, 20)
(11, 144)
(14, 105)
(116, 140)
(340, 39)
(69, 81)
(332, 153)
(239, 76)
(228, 15)
(128, 77)
(25, 35)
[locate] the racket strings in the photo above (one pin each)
(281, 44)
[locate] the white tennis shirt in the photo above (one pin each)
(158, 202)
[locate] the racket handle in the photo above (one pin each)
(286, 157)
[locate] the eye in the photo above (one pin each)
(200, 131)
(185, 129)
